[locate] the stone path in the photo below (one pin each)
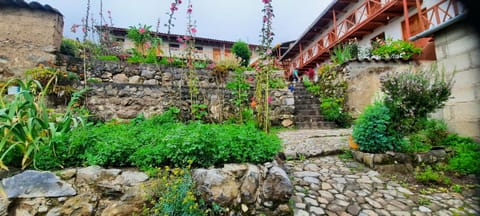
(328, 185)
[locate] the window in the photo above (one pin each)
(377, 39)
(198, 49)
(174, 46)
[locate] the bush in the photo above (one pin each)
(411, 96)
(108, 58)
(241, 50)
(173, 193)
(161, 140)
(69, 47)
(371, 130)
(396, 49)
(332, 110)
(429, 132)
(467, 154)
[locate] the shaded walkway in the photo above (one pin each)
(328, 185)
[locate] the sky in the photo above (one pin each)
(230, 20)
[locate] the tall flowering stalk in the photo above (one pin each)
(189, 40)
(169, 24)
(264, 68)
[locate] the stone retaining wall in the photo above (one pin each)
(242, 189)
(125, 90)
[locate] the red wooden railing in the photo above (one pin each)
(341, 30)
(441, 12)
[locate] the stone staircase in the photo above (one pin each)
(307, 110)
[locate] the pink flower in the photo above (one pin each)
(269, 99)
(266, 1)
(194, 30)
(179, 1)
(84, 29)
(74, 28)
(189, 10)
(141, 30)
(185, 37)
(265, 19)
(179, 39)
(211, 66)
(170, 60)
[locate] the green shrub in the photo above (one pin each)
(371, 130)
(173, 193)
(161, 140)
(332, 110)
(108, 58)
(428, 175)
(429, 132)
(70, 47)
(26, 125)
(277, 83)
(396, 49)
(467, 154)
(411, 96)
(241, 50)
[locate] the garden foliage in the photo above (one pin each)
(411, 96)
(161, 140)
(372, 132)
(241, 50)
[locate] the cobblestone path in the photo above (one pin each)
(324, 184)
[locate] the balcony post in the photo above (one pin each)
(407, 22)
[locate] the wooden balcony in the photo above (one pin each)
(361, 21)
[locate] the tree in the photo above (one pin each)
(241, 50)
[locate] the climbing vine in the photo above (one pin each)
(264, 68)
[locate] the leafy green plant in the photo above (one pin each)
(173, 193)
(411, 96)
(241, 50)
(162, 140)
(332, 110)
(70, 47)
(428, 175)
(199, 111)
(239, 89)
(396, 49)
(25, 123)
(467, 153)
(139, 35)
(429, 132)
(371, 130)
(344, 52)
(108, 58)
(277, 83)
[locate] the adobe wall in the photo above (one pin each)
(458, 51)
(363, 80)
(27, 37)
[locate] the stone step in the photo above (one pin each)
(309, 118)
(315, 125)
(307, 112)
(307, 106)
(305, 97)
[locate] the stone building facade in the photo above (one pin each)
(30, 34)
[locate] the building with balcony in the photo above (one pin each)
(205, 48)
(439, 27)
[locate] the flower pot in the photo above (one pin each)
(352, 143)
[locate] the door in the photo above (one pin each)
(216, 54)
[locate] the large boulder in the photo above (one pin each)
(31, 184)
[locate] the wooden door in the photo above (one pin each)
(216, 54)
